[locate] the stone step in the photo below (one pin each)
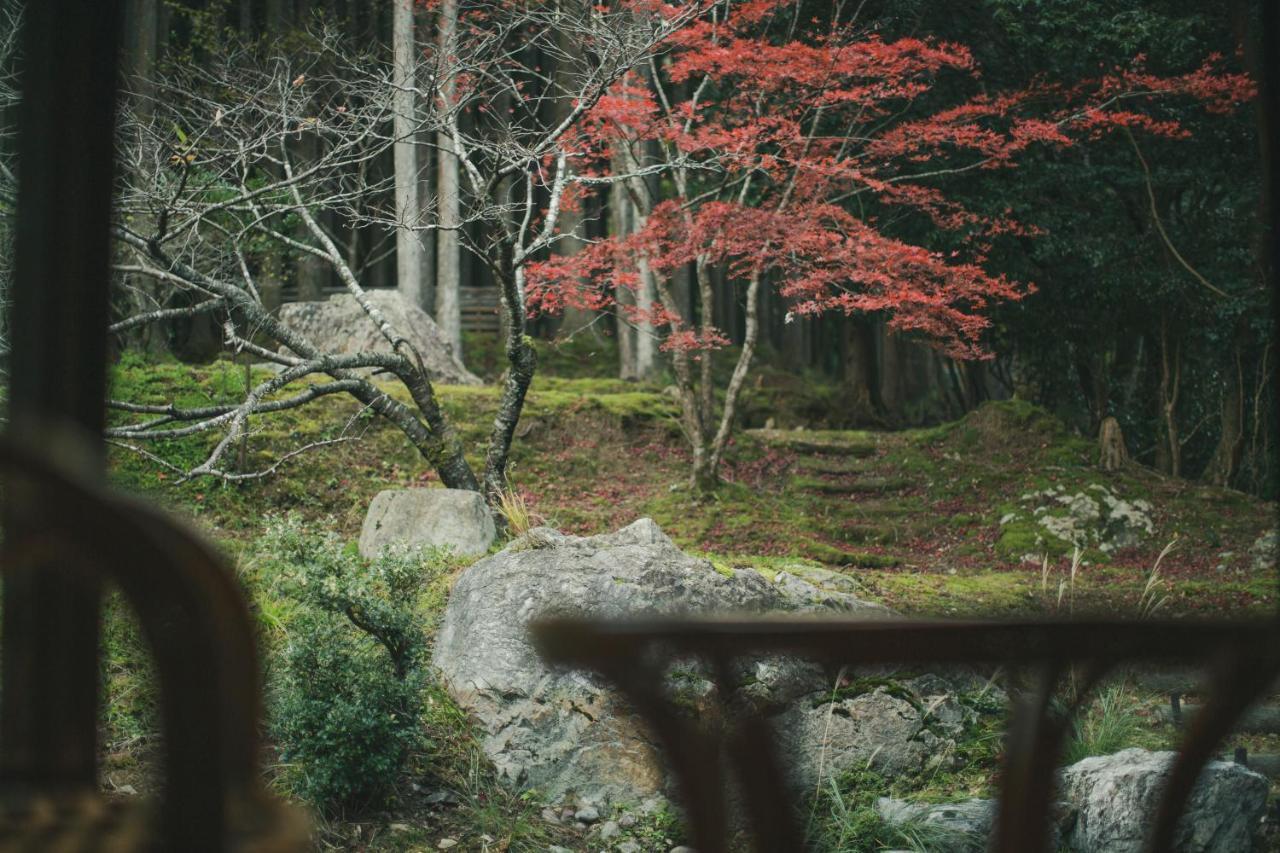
(803, 441)
(869, 485)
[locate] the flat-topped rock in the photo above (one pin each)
(428, 518)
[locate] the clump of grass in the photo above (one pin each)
(1067, 584)
(516, 514)
(1152, 598)
(1108, 726)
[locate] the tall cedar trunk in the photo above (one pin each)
(279, 15)
(1170, 377)
(143, 42)
(646, 342)
(310, 272)
(859, 367)
(573, 319)
(409, 277)
(1225, 461)
(643, 197)
(620, 224)
(1093, 386)
(449, 202)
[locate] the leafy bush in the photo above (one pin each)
(347, 701)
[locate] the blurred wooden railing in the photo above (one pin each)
(1242, 660)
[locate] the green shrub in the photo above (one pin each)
(343, 719)
(347, 698)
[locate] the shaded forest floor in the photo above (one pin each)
(914, 516)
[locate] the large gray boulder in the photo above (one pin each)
(566, 733)
(340, 325)
(456, 519)
(1116, 797)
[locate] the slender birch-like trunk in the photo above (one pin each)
(409, 278)
(448, 245)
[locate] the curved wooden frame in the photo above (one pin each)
(1243, 660)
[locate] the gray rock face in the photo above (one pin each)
(565, 733)
(340, 325)
(1116, 796)
(438, 518)
(887, 731)
(1264, 550)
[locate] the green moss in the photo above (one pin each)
(722, 568)
(861, 686)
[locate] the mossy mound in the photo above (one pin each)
(1006, 425)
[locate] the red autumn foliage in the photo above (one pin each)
(802, 153)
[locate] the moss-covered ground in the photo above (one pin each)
(913, 518)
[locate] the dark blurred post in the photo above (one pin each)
(58, 374)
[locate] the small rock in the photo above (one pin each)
(556, 848)
(587, 814)
(400, 827)
(651, 805)
(628, 847)
(683, 849)
(958, 827)
(446, 843)
(627, 820)
(609, 829)
(1264, 550)
(550, 816)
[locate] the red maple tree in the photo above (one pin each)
(791, 153)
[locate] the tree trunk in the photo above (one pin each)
(1091, 374)
(859, 368)
(620, 218)
(1170, 376)
(1226, 456)
(1112, 453)
(409, 277)
(522, 361)
(646, 334)
(750, 333)
(449, 203)
(143, 42)
(279, 15)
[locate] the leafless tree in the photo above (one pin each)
(250, 154)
